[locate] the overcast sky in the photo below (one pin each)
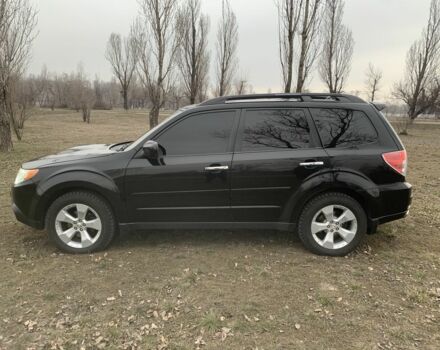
(73, 31)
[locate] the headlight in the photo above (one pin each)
(24, 175)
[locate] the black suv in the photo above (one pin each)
(328, 166)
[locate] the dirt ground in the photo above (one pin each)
(218, 290)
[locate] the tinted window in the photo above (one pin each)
(275, 129)
(205, 133)
(343, 127)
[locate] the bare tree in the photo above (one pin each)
(156, 46)
(175, 96)
(193, 55)
(337, 49)
(23, 95)
(111, 93)
(74, 86)
(420, 88)
(80, 94)
(17, 31)
(87, 100)
(242, 86)
(42, 84)
(372, 82)
(308, 30)
(289, 13)
(120, 53)
(227, 42)
(59, 90)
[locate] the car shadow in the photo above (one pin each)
(204, 238)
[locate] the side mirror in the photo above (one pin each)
(153, 151)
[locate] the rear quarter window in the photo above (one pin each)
(340, 128)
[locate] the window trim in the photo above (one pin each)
(344, 147)
(314, 141)
(229, 149)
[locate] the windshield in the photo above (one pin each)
(151, 131)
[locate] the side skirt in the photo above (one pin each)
(277, 226)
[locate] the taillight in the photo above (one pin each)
(397, 161)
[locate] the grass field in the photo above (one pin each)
(218, 290)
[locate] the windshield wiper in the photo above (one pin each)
(124, 146)
(121, 146)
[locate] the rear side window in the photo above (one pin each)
(343, 127)
(268, 130)
(205, 133)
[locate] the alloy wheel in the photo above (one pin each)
(334, 226)
(78, 225)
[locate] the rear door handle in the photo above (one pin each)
(216, 167)
(308, 164)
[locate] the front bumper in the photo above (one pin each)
(25, 206)
(25, 219)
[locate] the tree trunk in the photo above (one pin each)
(125, 97)
(288, 86)
(5, 132)
(301, 75)
(154, 117)
(5, 125)
(18, 129)
(302, 58)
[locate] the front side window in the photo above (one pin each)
(268, 130)
(343, 127)
(204, 133)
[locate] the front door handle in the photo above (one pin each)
(216, 167)
(310, 164)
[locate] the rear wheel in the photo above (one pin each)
(80, 222)
(332, 224)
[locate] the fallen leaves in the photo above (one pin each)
(224, 333)
(30, 325)
(199, 342)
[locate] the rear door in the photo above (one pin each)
(192, 184)
(275, 151)
(352, 142)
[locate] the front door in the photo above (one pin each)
(192, 184)
(276, 151)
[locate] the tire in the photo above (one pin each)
(80, 222)
(332, 224)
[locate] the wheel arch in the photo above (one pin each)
(358, 187)
(72, 181)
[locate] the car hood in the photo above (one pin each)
(71, 154)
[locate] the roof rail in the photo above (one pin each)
(284, 97)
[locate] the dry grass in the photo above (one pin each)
(218, 290)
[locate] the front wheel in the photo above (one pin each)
(332, 224)
(80, 222)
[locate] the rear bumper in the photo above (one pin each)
(388, 218)
(393, 203)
